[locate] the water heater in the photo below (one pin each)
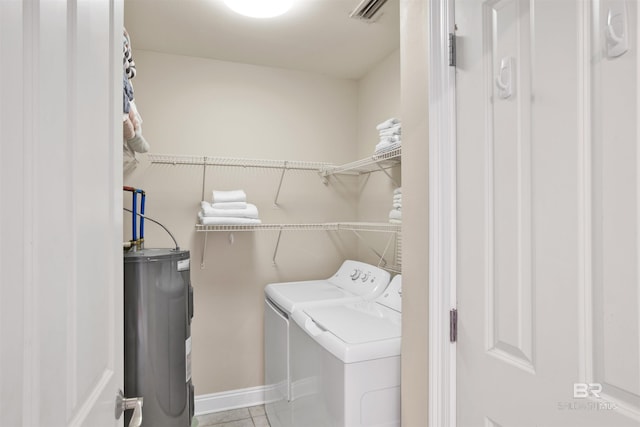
(158, 308)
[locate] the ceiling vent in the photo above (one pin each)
(367, 9)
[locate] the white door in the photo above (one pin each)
(548, 226)
(61, 360)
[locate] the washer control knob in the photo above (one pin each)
(355, 274)
(365, 276)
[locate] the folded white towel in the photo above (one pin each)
(397, 198)
(395, 221)
(391, 139)
(397, 205)
(229, 205)
(227, 220)
(393, 130)
(397, 190)
(229, 196)
(388, 123)
(395, 214)
(251, 211)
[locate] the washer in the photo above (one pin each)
(354, 281)
(345, 366)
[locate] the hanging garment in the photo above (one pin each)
(127, 94)
(137, 143)
(128, 63)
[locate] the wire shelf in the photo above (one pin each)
(330, 226)
(267, 227)
(378, 227)
(373, 163)
(170, 159)
(376, 162)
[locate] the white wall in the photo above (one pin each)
(206, 107)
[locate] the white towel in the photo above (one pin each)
(229, 196)
(393, 130)
(395, 221)
(395, 214)
(397, 198)
(207, 210)
(227, 220)
(397, 191)
(397, 205)
(229, 205)
(392, 138)
(388, 123)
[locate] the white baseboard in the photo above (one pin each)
(233, 399)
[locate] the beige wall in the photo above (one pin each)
(378, 100)
(205, 107)
(415, 358)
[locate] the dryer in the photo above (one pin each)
(346, 362)
(354, 281)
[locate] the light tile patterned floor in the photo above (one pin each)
(254, 416)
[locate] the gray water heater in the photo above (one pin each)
(158, 308)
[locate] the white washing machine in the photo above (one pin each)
(345, 365)
(354, 281)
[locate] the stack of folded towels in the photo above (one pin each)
(228, 208)
(395, 216)
(390, 135)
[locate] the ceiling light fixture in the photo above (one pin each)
(259, 8)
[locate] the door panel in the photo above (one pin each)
(508, 190)
(61, 221)
(615, 214)
(548, 209)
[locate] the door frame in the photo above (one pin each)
(442, 215)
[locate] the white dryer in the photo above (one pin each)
(345, 366)
(354, 281)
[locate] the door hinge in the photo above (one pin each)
(452, 50)
(453, 325)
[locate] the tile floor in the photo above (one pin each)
(254, 416)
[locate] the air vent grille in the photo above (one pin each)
(367, 9)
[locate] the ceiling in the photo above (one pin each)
(315, 35)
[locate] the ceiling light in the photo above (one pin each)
(259, 8)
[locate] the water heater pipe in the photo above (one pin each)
(177, 248)
(137, 241)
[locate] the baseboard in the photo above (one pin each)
(232, 399)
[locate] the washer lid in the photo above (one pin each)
(289, 295)
(358, 323)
